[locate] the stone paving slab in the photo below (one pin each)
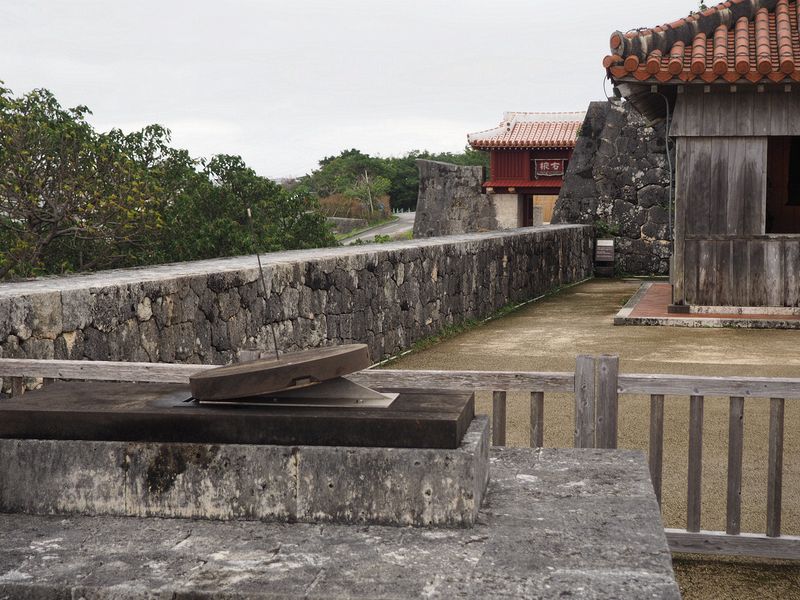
(555, 523)
(648, 307)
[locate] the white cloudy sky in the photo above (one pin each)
(284, 83)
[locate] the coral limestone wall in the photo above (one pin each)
(387, 296)
(618, 179)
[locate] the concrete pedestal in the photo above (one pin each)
(311, 484)
(554, 524)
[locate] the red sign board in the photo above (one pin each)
(549, 167)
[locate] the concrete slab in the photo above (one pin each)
(555, 523)
(648, 307)
(310, 484)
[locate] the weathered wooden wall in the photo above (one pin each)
(744, 112)
(722, 255)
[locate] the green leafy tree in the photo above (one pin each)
(74, 199)
(70, 198)
(345, 174)
(209, 218)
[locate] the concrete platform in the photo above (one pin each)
(554, 524)
(648, 306)
(310, 484)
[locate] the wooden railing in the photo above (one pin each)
(596, 385)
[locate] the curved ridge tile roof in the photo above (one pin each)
(750, 41)
(531, 130)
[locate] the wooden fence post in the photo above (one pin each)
(693, 498)
(498, 418)
(733, 511)
(537, 419)
(584, 401)
(607, 401)
(656, 446)
(775, 474)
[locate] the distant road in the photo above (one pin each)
(395, 228)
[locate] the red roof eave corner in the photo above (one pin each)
(746, 41)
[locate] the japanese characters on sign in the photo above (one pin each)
(549, 167)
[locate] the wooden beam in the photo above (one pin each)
(689, 385)
(748, 387)
(744, 544)
(466, 380)
(99, 370)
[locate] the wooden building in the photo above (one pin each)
(529, 153)
(729, 80)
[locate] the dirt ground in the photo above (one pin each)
(547, 336)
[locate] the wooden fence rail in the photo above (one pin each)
(596, 385)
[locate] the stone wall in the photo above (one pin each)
(618, 178)
(388, 296)
(451, 200)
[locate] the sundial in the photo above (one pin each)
(307, 378)
(298, 398)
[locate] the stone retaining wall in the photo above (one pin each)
(387, 296)
(618, 179)
(451, 201)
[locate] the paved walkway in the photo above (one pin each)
(649, 306)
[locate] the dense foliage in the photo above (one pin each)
(356, 174)
(73, 199)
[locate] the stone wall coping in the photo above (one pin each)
(135, 275)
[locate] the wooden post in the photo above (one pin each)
(584, 402)
(775, 476)
(656, 449)
(498, 418)
(607, 401)
(693, 499)
(537, 419)
(17, 386)
(733, 514)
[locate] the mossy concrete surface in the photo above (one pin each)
(547, 336)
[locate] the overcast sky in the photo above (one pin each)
(284, 83)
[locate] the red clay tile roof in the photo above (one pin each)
(750, 41)
(531, 130)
